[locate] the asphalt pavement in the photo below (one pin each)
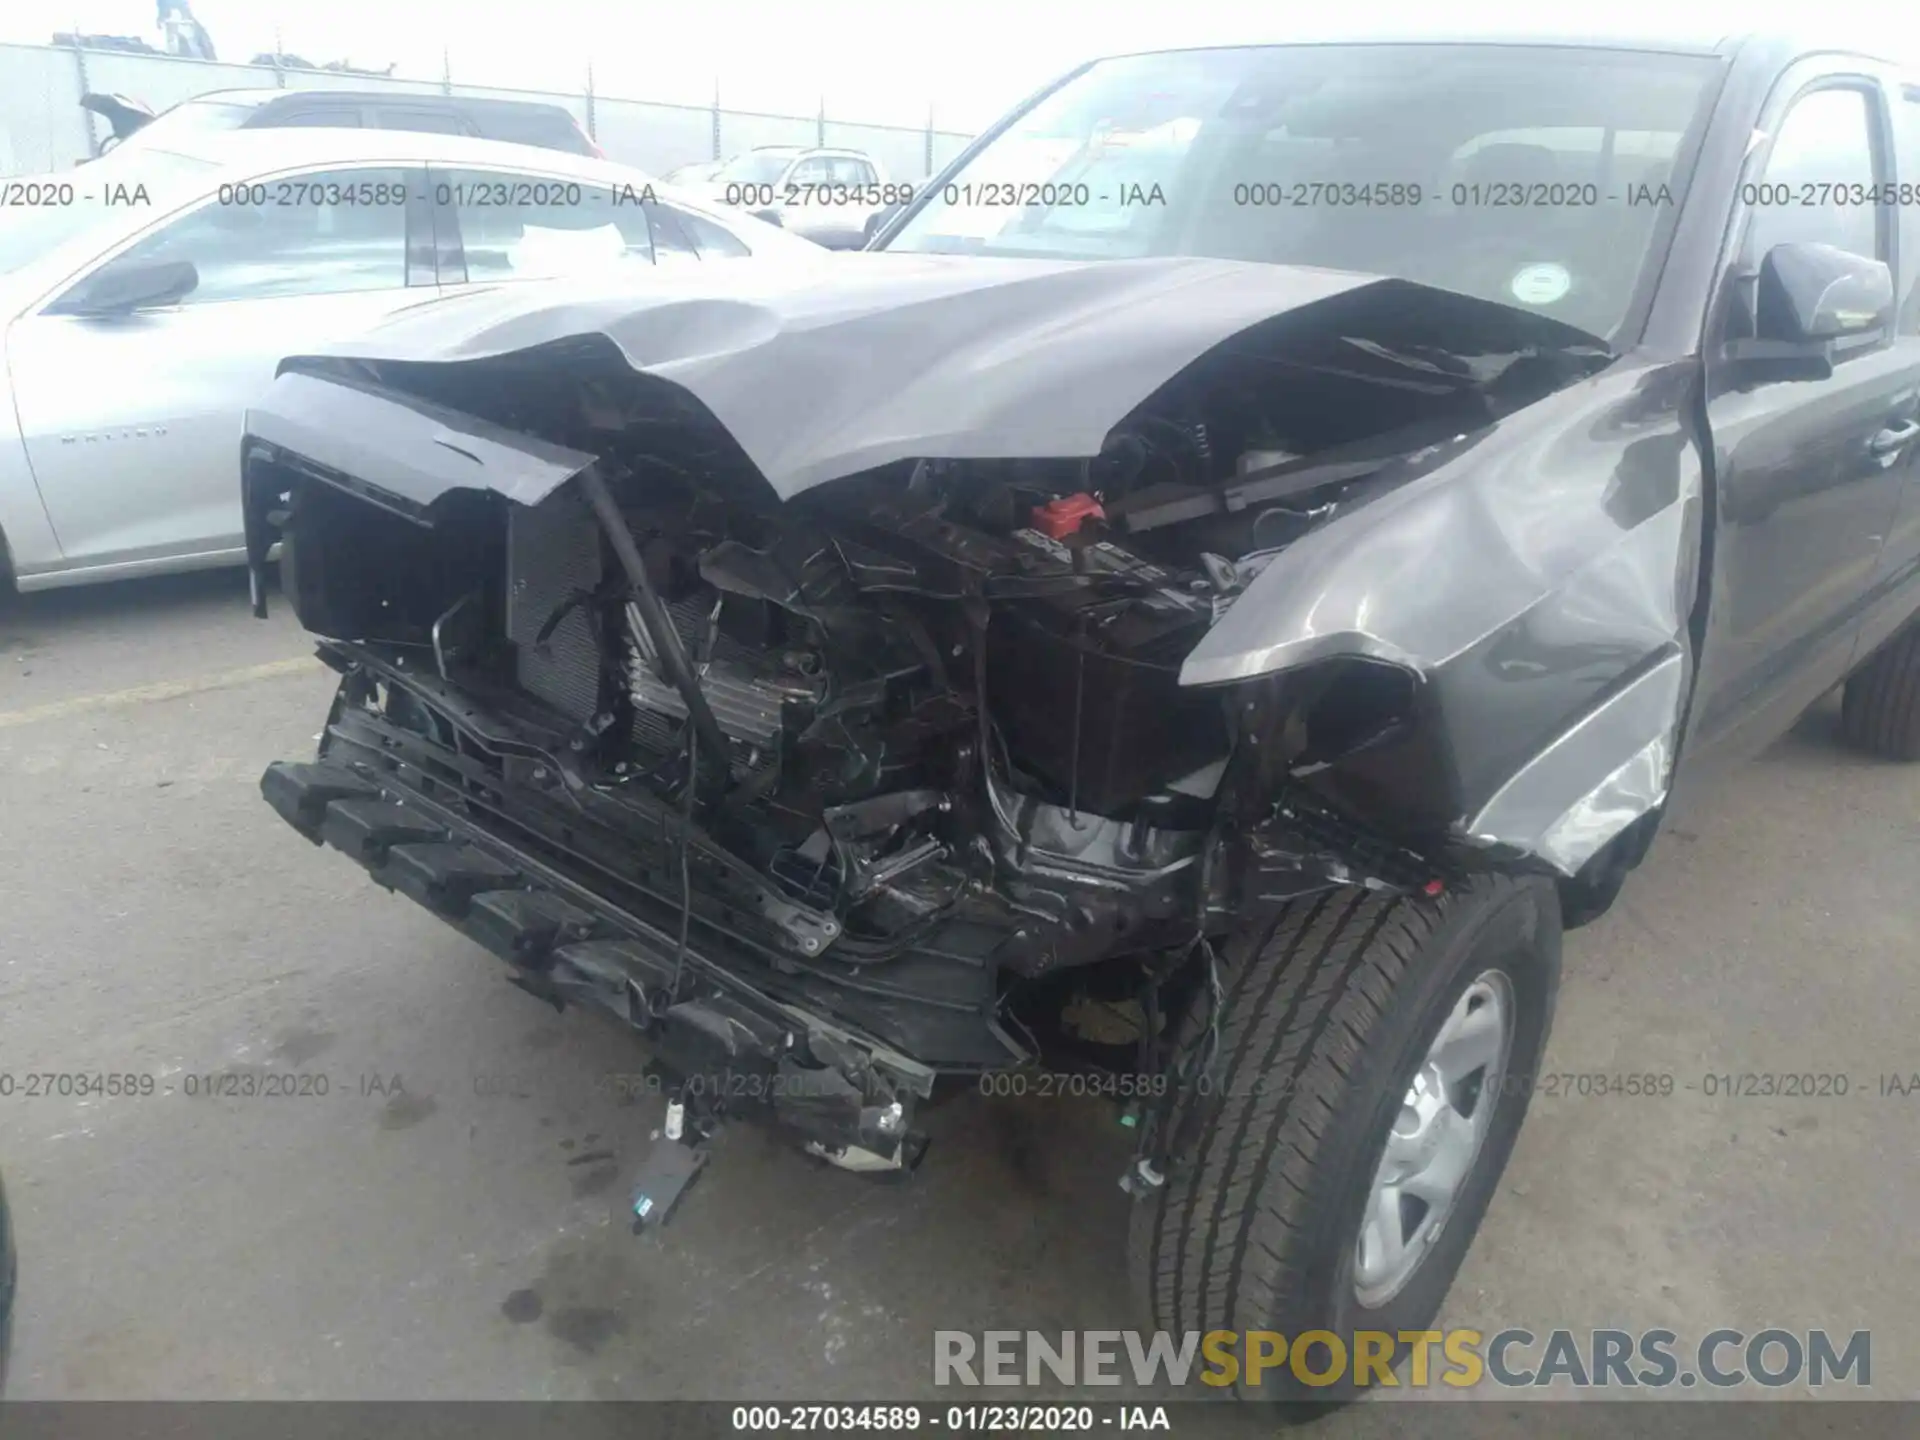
(434, 1208)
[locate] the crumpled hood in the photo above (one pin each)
(1535, 584)
(830, 367)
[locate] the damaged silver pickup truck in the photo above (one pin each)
(1208, 600)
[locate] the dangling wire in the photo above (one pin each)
(1202, 946)
(686, 874)
(1216, 1001)
(707, 646)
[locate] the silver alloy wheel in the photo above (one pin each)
(1434, 1140)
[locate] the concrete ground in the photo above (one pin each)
(446, 1220)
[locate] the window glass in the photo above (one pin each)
(817, 170)
(547, 131)
(516, 226)
(850, 170)
(433, 122)
(1907, 147)
(30, 233)
(327, 117)
(755, 167)
(1576, 154)
(670, 240)
(715, 242)
(1399, 160)
(337, 231)
(1825, 140)
(692, 174)
(207, 115)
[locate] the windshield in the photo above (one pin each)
(756, 167)
(188, 118)
(78, 200)
(1528, 175)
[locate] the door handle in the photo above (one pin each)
(1885, 442)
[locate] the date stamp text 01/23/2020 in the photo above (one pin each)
(238, 1084)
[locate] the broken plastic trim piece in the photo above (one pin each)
(858, 1158)
(670, 1168)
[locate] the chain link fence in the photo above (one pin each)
(42, 126)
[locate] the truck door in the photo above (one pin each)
(1808, 472)
(1893, 595)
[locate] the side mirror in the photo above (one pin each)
(123, 289)
(771, 217)
(1814, 294)
(1812, 303)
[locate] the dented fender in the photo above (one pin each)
(1537, 585)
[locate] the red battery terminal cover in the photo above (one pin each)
(1060, 518)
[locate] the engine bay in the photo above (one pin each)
(914, 669)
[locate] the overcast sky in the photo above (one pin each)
(878, 60)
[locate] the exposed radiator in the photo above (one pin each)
(744, 687)
(553, 554)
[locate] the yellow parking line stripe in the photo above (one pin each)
(147, 694)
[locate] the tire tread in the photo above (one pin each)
(1880, 706)
(1225, 1228)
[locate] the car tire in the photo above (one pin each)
(1880, 704)
(1325, 1016)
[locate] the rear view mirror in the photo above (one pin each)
(123, 289)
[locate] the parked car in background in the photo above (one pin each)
(144, 307)
(697, 173)
(518, 122)
(829, 196)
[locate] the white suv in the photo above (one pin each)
(828, 196)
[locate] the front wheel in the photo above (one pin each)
(1373, 1062)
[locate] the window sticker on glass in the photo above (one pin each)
(1541, 284)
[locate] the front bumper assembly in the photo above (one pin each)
(728, 1046)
